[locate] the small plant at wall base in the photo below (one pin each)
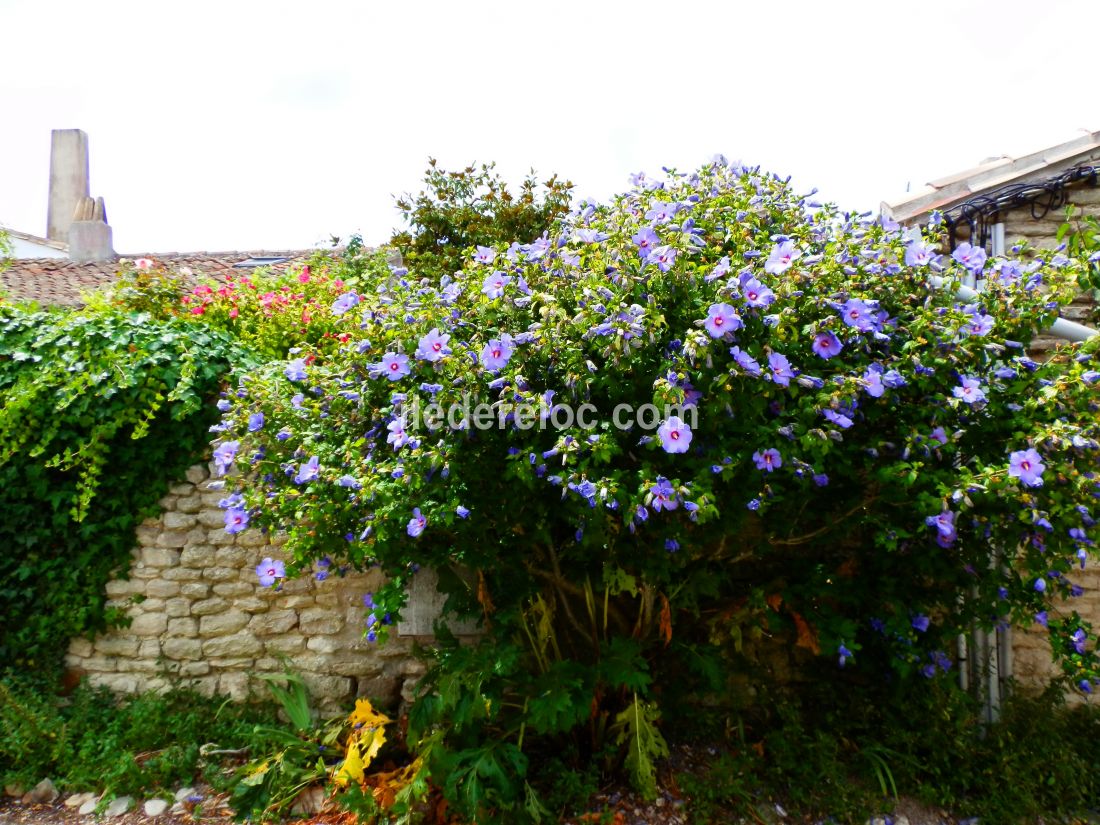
(706, 414)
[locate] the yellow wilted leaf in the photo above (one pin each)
(365, 716)
(370, 743)
(352, 769)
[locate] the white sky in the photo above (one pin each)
(237, 124)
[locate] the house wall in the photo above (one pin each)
(1032, 666)
(1042, 233)
(22, 248)
(200, 618)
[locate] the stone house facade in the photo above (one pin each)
(997, 204)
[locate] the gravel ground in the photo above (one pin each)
(610, 807)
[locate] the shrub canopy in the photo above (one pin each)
(839, 447)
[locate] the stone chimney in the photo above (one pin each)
(74, 217)
(68, 180)
(89, 234)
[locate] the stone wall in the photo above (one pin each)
(199, 616)
(1032, 665)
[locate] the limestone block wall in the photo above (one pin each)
(1032, 665)
(200, 618)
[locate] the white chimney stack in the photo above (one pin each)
(68, 180)
(74, 217)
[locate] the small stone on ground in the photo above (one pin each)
(155, 807)
(118, 806)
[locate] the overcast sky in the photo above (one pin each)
(268, 125)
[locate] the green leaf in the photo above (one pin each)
(636, 729)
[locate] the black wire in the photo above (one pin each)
(1040, 196)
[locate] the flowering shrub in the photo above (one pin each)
(267, 311)
(705, 410)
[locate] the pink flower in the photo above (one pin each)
(143, 263)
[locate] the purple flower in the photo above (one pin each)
(917, 254)
(646, 239)
(236, 519)
(462, 512)
(945, 527)
(768, 460)
(671, 545)
(780, 369)
(873, 386)
(255, 421)
(664, 496)
(296, 401)
(308, 471)
(494, 284)
(433, 346)
(842, 421)
(394, 365)
(663, 256)
(416, 524)
(675, 435)
(397, 437)
(485, 255)
(349, 481)
(821, 480)
(920, 623)
(721, 318)
(844, 655)
(296, 370)
(224, 456)
(978, 325)
(1026, 465)
(270, 571)
(855, 313)
(660, 212)
(784, 254)
(344, 303)
(972, 257)
(756, 294)
(1079, 638)
(827, 345)
(536, 249)
(497, 353)
(1040, 585)
(1041, 618)
(745, 361)
(969, 391)
(938, 435)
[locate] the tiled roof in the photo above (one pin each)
(992, 174)
(60, 282)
